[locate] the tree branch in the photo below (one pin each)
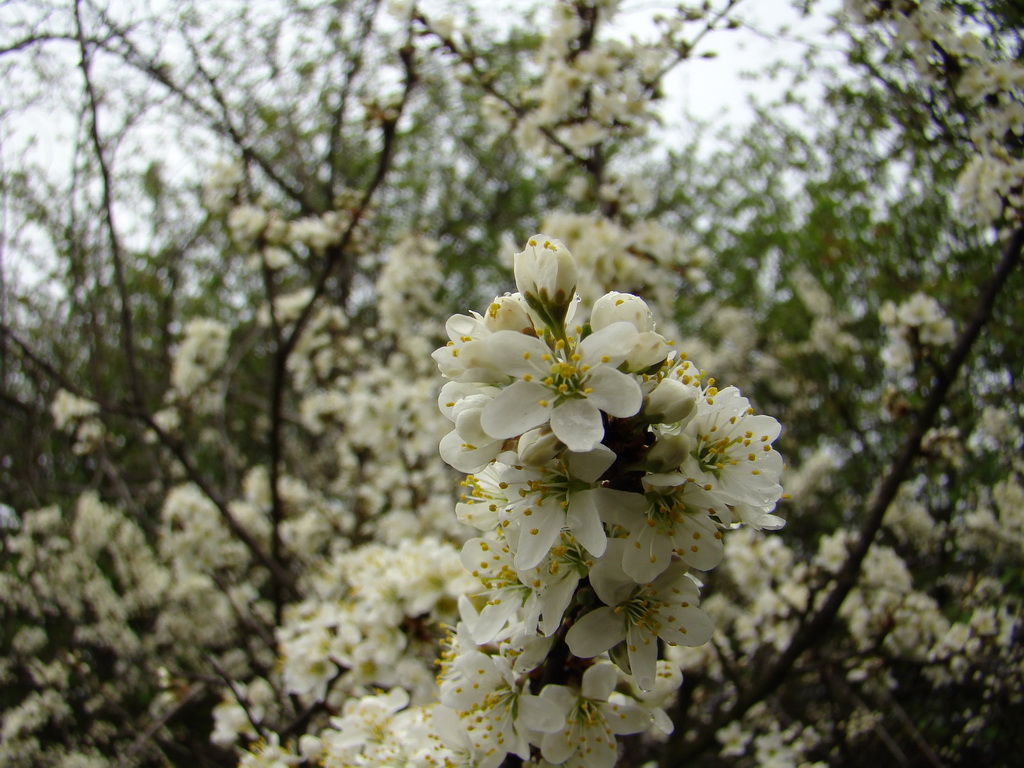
(812, 631)
(333, 261)
(355, 65)
(281, 576)
(220, 124)
(227, 127)
(116, 254)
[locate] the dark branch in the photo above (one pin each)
(812, 630)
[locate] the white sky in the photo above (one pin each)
(719, 89)
(773, 30)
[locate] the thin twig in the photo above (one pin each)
(914, 732)
(116, 253)
(149, 733)
(335, 148)
(221, 123)
(239, 698)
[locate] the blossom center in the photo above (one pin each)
(664, 510)
(713, 455)
(641, 611)
(567, 377)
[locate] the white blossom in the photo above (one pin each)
(594, 716)
(639, 614)
(569, 385)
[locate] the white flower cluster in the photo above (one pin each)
(826, 336)
(381, 414)
(944, 48)
(584, 87)
(995, 430)
(195, 538)
(201, 354)
(325, 343)
(407, 283)
(78, 417)
(641, 257)
(93, 570)
(256, 225)
(915, 325)
(351, 636)
(773, 747)
(68, 409)
(586, 95)
(221, 186)
(274, 242)
(364, 643)
(605, 467)
(764, 588)
(997, 528)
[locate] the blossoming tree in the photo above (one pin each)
(314, 454)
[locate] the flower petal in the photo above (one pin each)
(698, 541)
(599, 681)
(614, 392)
(557, 747)
(453, 392)
(643, 658)
(538, 535)
(541, 714)
(467, 424)
(613, 342)
(585, 522)
(625, 718)
(577, 423)
(518, 354)
(595, 633)
(685, 626)
(622, 507)
(608, 579)
(516, 409)
(591, 465)
(554, 601)
(648, 553)
(495, 616)
(466, 458)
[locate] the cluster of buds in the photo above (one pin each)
(603, 467)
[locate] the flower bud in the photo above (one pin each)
(668, 453)
(509, 313)
(650, 349)
(467, 419)
(616, 307)
(546, 276)
(538, 446)
(670, 402)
